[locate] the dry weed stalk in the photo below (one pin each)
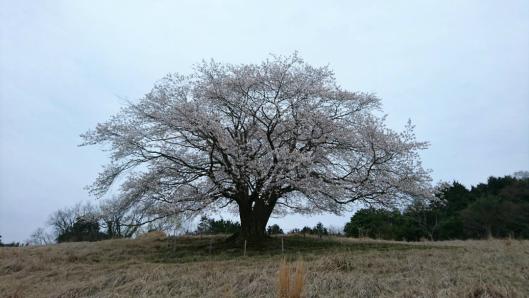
(297, 289)
(285, 288)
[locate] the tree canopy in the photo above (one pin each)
(277, 137)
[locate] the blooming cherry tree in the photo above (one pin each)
(275, 137)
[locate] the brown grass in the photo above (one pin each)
(286, 289)
(284, 280)
(340, 268)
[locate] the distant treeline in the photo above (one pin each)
(498, 208)
(12, 244)
(210, 226)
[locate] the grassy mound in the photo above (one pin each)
(212, 267)
(193, 249)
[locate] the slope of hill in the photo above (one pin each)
(208, 267)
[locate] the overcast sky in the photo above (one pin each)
(458, 69)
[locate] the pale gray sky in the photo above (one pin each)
(458, 69)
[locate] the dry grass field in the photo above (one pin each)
(208, 267)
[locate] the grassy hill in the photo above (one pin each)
(210, 267)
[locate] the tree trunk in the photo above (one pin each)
(253, 221)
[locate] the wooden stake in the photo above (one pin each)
(245, 248)
(282, 245)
